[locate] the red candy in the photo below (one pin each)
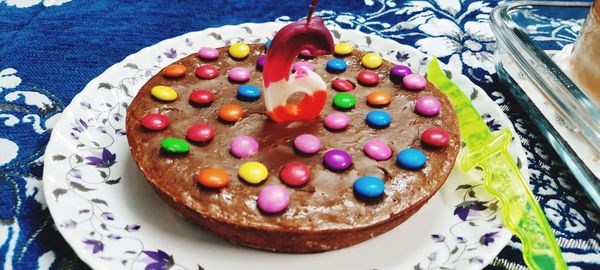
(207, 72)
(201, 97)
(368, 77)
(435, 137)
(155, 121)
(295, 174)
(343, 85)
(200, 133)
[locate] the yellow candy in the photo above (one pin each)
(253, 172)
(163, 93)
(343, 48)
(239, 50)
(372, 60)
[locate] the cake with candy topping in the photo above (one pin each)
(383, 143)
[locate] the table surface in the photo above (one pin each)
(50, 49)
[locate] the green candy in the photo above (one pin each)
(174, 145)
(344, 101)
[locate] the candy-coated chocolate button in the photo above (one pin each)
(369, 187)
(342, 85)
(368, 77)
(201, 97)
(174, 70)
(175, 145)
(243, 146)
(239, 74)
(248, 92)
(260, 62)
(231, 112)
(379, 98)
(371, 60)
(343, 48)
(411, 159)
(303, 64)
(200, 133)
(273, 199)
(377, 149)
(344, 101)
(435, 136)
(253, 172)
(337, 121)
(378, 119)
(399, 72)
(336, 65)
(295, 174)
(337, 160)
(213, 178)
(208, 53)
(155, 121)
(414, 81)
(163, 93)
(305, 53)
(428, 105)
(307, 143)
(267, 44)
(239, 50)
(207, 72)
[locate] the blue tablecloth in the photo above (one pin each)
(50, 49)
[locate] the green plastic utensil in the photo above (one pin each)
(521, 213)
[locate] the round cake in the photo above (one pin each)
(383, 145)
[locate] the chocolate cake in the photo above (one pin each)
(326, 212)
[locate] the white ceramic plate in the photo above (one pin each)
(113, 220)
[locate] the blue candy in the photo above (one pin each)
(248, 92)
(368, 187)
(378, 119)
(267, 44)
(336, 65)
(411, 159)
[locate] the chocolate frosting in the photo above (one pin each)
(327, 202)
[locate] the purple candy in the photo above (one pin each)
(414, 82)
(377, 149)
(260, 62)
(273, 199)
(307, 143)
(428, 105)
(336, 121)
(399, 72)
(239, 74)
(303, 64)
(337, 160)
(243, 146)
(208, 53)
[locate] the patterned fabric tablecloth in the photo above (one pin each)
(50, 49)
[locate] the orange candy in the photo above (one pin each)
(231, 113)
(379, 98)
(175, 70)
(213, 178)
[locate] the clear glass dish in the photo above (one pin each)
(528, 33)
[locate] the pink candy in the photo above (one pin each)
(273, 199)
(414, 81)
(377, 149)
(307, 143)
(239, 74)
(303, 64)
(243, 146)
(428, 105)
(305, 53)
(336, 121)
(208, 53)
